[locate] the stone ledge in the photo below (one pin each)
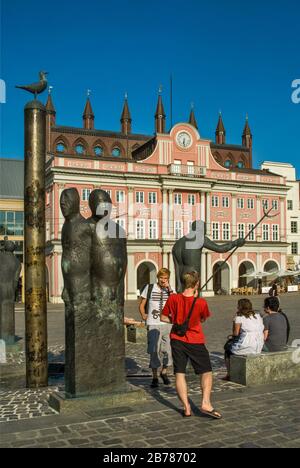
(136, 334)
(127, 396)
(264, 368)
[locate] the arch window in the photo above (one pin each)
(240, 165)
(116, 152)
(228, 163)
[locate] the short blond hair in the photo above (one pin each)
(190, 279)
(164, 272)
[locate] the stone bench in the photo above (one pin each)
(265, 368)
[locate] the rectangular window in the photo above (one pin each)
(215, 201)
(275, 204)
(190, 226)
(275, 232)
(139, 197)
(294, 227)
(153, 234)
(178, 199)
(11, 223)
(152, 198)
(191, 199)
(109, 192)
(226, 231)
(215, 231)
(140, 228)
(190, 168)
(225, 202)
(295, 248)
(178, 229)
(86, 194)
(265, 204)
(290, 205)
(252, 235)
(240, 203)
(250, 204)
(176, 168)
(241, 230)
(266, 232)
(120, 196)
(121, 222)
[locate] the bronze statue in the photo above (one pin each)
(187, 251)
(10, 268)
(36, 88)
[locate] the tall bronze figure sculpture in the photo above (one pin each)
(35, 265)
(187, 251)
(94, 264)
(10, 268)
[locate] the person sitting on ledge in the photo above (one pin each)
(276, 326)
(247, 337)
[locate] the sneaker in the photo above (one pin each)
(154, 383)
(165, 379)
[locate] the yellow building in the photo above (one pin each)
(12, 205)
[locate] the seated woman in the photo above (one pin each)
(248, 337)
(276, 326)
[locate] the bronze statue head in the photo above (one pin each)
(100, 204)
(70, 202)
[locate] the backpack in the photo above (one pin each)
(150, 289)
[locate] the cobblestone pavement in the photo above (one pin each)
(252, 417)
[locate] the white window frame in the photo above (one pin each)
(152, 198)
(226, 231)
(275, 232)
(252, 235)
(119, 198)
(225, 202)
(140, 197)
(86, 194)
(215, 201)
(266, 232)
(216, 231)
(250, 203)
(241, 230)
(275, 204)
(191, 199)
(178, 229)
(178, 199)
(189, 225)
(190, 168)
(240, 203)
(177, 167)
(121, 222)
(109, 192)
(140, 229)
(290, 205)
(153, 229)
(294, 227)
(293, 250)
(265, 204)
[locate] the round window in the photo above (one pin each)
(79, 149)
(116, 152)
(98, 150)
(60, 148)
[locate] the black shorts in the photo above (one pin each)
(196, 353)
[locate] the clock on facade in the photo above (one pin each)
(184, 139)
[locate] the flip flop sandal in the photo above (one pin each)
(213, 414)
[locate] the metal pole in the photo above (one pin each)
(35, 275)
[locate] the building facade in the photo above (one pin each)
(293, 210)
(158, 185)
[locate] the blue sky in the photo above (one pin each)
(240, 57)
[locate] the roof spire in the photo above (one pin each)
(88, 115)
(160, 116)
(220, 131)
(126, 117)
(192, 119)
(49, 105)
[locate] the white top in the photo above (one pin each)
(251, 339)
(157, 302)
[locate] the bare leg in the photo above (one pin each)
(206, 384)
(182, 391)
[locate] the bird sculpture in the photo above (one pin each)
(36, 88)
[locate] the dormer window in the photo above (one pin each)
(98, 150)
(60, 148)
(227, 163)
(79, 149)
(116, 152)
(240, 165)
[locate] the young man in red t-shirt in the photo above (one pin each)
(192, 345)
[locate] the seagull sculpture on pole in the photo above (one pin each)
(36, 88)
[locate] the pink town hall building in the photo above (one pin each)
(159, 185)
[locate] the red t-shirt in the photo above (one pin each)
(177, 309)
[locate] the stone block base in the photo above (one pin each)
(207, 294)
(265, 368)
(136, 334)
(128, 396)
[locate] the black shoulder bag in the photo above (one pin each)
(180, 329)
